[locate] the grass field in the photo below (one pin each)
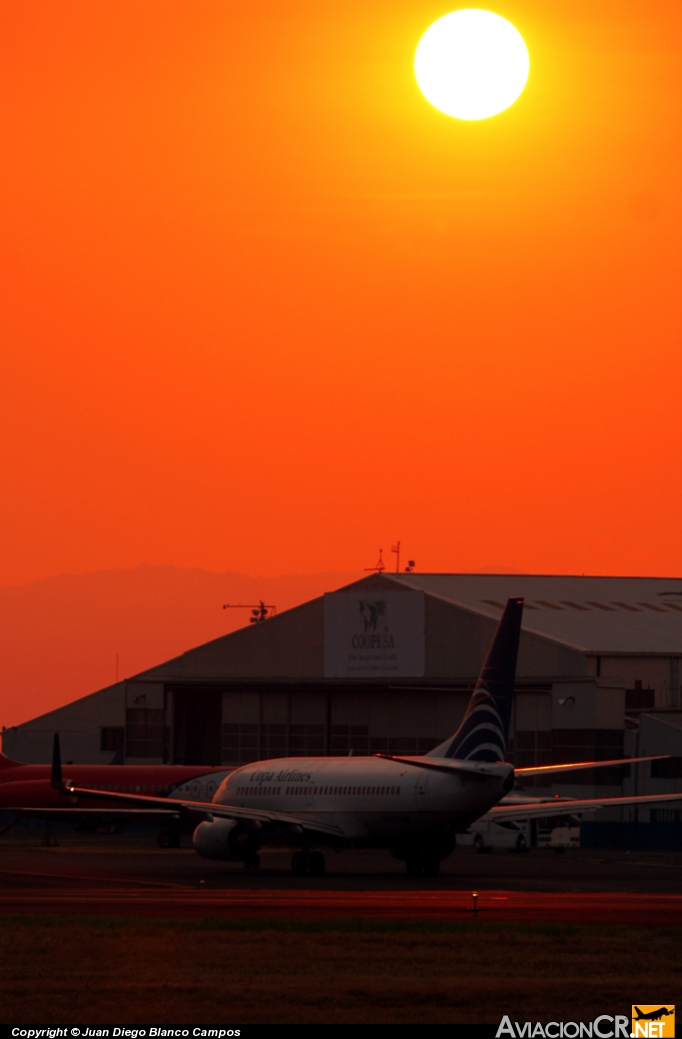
(86, 970)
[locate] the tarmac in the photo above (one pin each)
(127, 874)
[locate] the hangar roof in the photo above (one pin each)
(602, 615)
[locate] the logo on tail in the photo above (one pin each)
(482, 736)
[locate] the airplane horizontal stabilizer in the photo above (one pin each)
(570, 806)
(542, 770)
(470, 769)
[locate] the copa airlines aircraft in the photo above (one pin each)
(413, 806)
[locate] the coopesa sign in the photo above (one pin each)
(373, 641)
(374, 634)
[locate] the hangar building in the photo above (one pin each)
(388, 664)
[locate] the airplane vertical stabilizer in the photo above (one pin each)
(483, 734)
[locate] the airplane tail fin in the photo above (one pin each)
(483, 734)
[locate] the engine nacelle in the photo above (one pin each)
(226, 839)
(211, 839)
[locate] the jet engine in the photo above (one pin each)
(211, 839)
(226, 839)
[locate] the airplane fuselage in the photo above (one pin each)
(29, 786)
(374, 801)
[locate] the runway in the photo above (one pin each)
(127, 875)
(491, 906)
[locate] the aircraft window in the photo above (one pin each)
(109, 787)
(116, 786)
(144, 786)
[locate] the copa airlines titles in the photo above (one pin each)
(285, 775)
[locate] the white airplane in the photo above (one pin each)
(413, 806)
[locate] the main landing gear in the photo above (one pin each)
(303, 862)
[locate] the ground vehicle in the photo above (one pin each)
(486, 834)
(559, 832)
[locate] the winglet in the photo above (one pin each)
(57, 781)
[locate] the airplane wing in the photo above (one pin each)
(158, 805)
(569, 806)
(287, 820)
(546, 770)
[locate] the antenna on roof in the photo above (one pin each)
(260, 612)
(381, 566)
(396, 549)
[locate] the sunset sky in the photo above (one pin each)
(265, 309)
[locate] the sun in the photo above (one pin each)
(471, 64)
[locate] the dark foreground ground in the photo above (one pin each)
(112, 929)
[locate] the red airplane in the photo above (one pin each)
(28, 790)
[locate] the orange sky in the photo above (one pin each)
(263, 308)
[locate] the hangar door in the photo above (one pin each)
(197, 723)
